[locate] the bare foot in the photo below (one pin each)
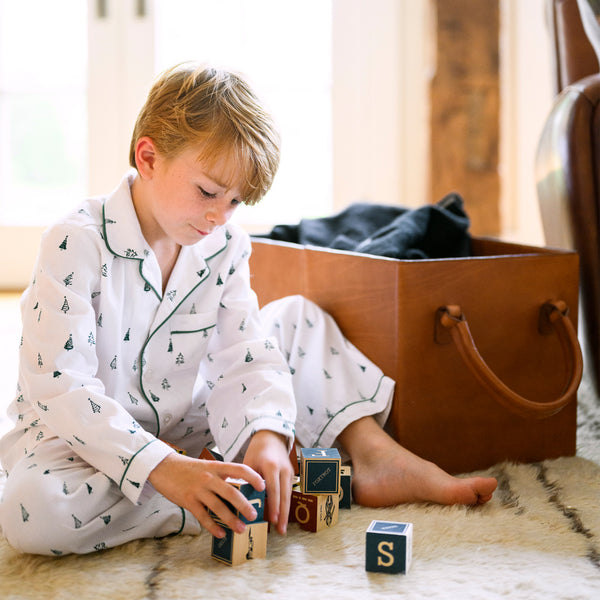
(385, 474)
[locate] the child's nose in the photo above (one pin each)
(217, 215)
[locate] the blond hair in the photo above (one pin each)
(216, 110)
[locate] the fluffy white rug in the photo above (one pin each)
(538, 538)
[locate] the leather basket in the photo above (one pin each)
(483, 350)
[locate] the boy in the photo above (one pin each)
(140, 330)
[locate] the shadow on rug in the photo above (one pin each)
(538, 537)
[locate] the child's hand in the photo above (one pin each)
(268, 454)
(199, 485)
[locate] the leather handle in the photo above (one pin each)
(554, 316)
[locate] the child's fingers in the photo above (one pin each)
(224, 514)
(285, 496)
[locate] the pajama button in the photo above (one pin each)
(167, 418)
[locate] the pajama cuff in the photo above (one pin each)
(134, 482)
(378, 407)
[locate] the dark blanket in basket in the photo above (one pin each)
(433, 231)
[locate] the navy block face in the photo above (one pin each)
(388, 547)
(322, 477)
(257, 499)
(320, 470)
(222, 549)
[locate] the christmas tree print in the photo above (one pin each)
(133, 399)
(170, 348)
(333, 351)
(134, 483)
(113, 363)
(99, 322)
(227, 235)
(104, 270)
(231, 269)
(91, 339)
(225, 424)
(179, 360)
(65, 490)
(56, 374)
(126, 338)
(309, 323)
(96, 408)
(201, 273)
(171, 295)
(77, 522)
(219, 280)
(89, 488)
(68, 280)
(242, 326)
(65, 306)
(39, 436)
(43, 407)
(327, 375)
(24, 514)
(100, 546)
(249, 357)
(301, 353)
(310, 410)
(244, 388)
(165, 384)
(106, 519)
(209, 384)
(193, 309)
(39, 360)
(147, 287)
(56, 552)
(69, 343)
(94, 294)
(63, 245)
(130, 253)
(79, 440)
(269, 345)
(154, 397)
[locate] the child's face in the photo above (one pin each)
(187, 200)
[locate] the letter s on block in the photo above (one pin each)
(381, 549)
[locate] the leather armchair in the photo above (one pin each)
(568, 163)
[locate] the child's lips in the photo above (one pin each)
(201, 232)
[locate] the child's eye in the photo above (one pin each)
(235, 202)
(206, 194)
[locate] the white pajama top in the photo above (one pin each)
(113, 366)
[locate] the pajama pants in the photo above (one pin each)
(55, 503)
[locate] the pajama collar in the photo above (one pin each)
(123, 238)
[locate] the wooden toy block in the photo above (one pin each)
(236, 548)
(346, 487)
(314, 512)
(207, 454)
(256, 498)
(320, 470)
(389, 547)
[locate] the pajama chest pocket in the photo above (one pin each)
(189, 336)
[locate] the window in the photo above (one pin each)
(73, 75)
(42, 109)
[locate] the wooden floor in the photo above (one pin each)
(10, 334)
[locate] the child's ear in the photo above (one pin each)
(145, 157)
